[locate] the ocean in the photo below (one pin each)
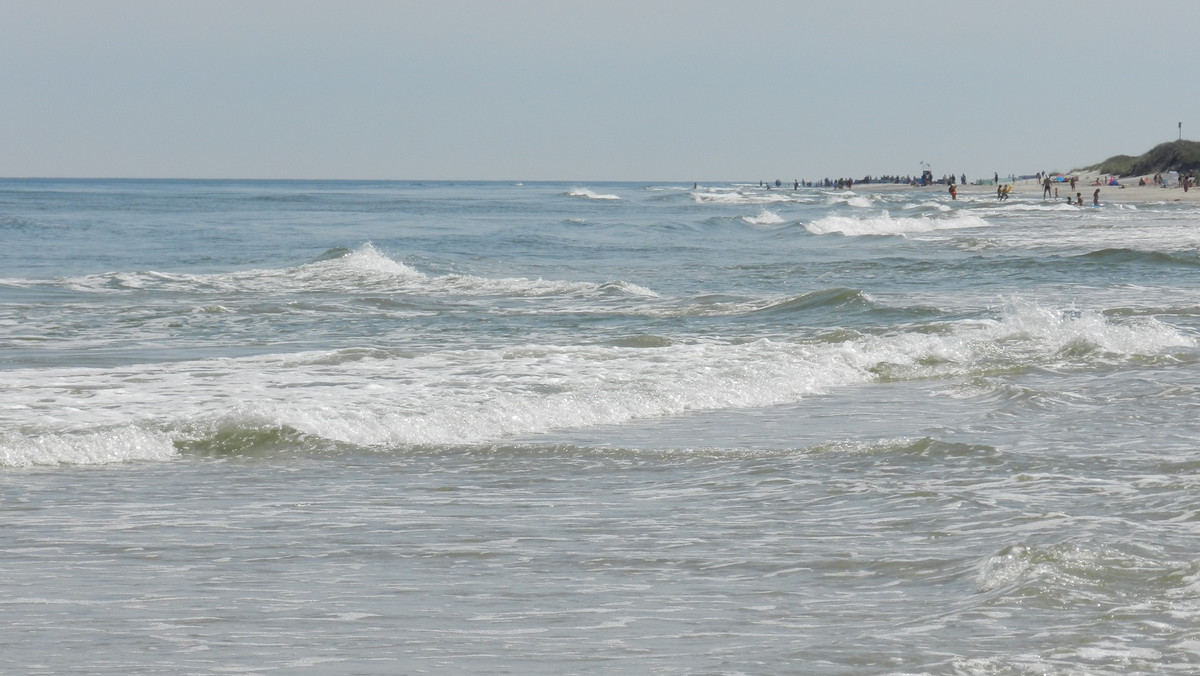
(285, 427)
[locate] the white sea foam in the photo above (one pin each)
(886, 224)
(631, 289)
(100, 446)
(935, 206)
(991, 207)
(738, 197)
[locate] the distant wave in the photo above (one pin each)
(738, 197)
(764, 217)
(588, 194)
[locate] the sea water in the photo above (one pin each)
(548, 428)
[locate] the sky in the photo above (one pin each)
(641, 90)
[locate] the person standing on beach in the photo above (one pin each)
(1096, 198)
(1046, 188)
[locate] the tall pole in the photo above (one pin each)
(1180, 131)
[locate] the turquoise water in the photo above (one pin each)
(387, 427)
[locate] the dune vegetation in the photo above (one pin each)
(1182, 156)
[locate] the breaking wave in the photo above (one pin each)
(886, 224)
(588, 194)
(364, 269)
(379, 398)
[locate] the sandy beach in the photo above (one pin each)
(1129, 191)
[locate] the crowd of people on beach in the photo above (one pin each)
(1050, 189)
(1183, 180)
(1049, 184)
(841, 183)
(848, 183)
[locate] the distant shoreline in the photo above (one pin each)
(1023, 189)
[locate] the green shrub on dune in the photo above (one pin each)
(1180, 155)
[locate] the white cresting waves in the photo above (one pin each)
(377, 397)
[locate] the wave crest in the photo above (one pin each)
(365, 269)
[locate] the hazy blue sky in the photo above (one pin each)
(639, 90)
